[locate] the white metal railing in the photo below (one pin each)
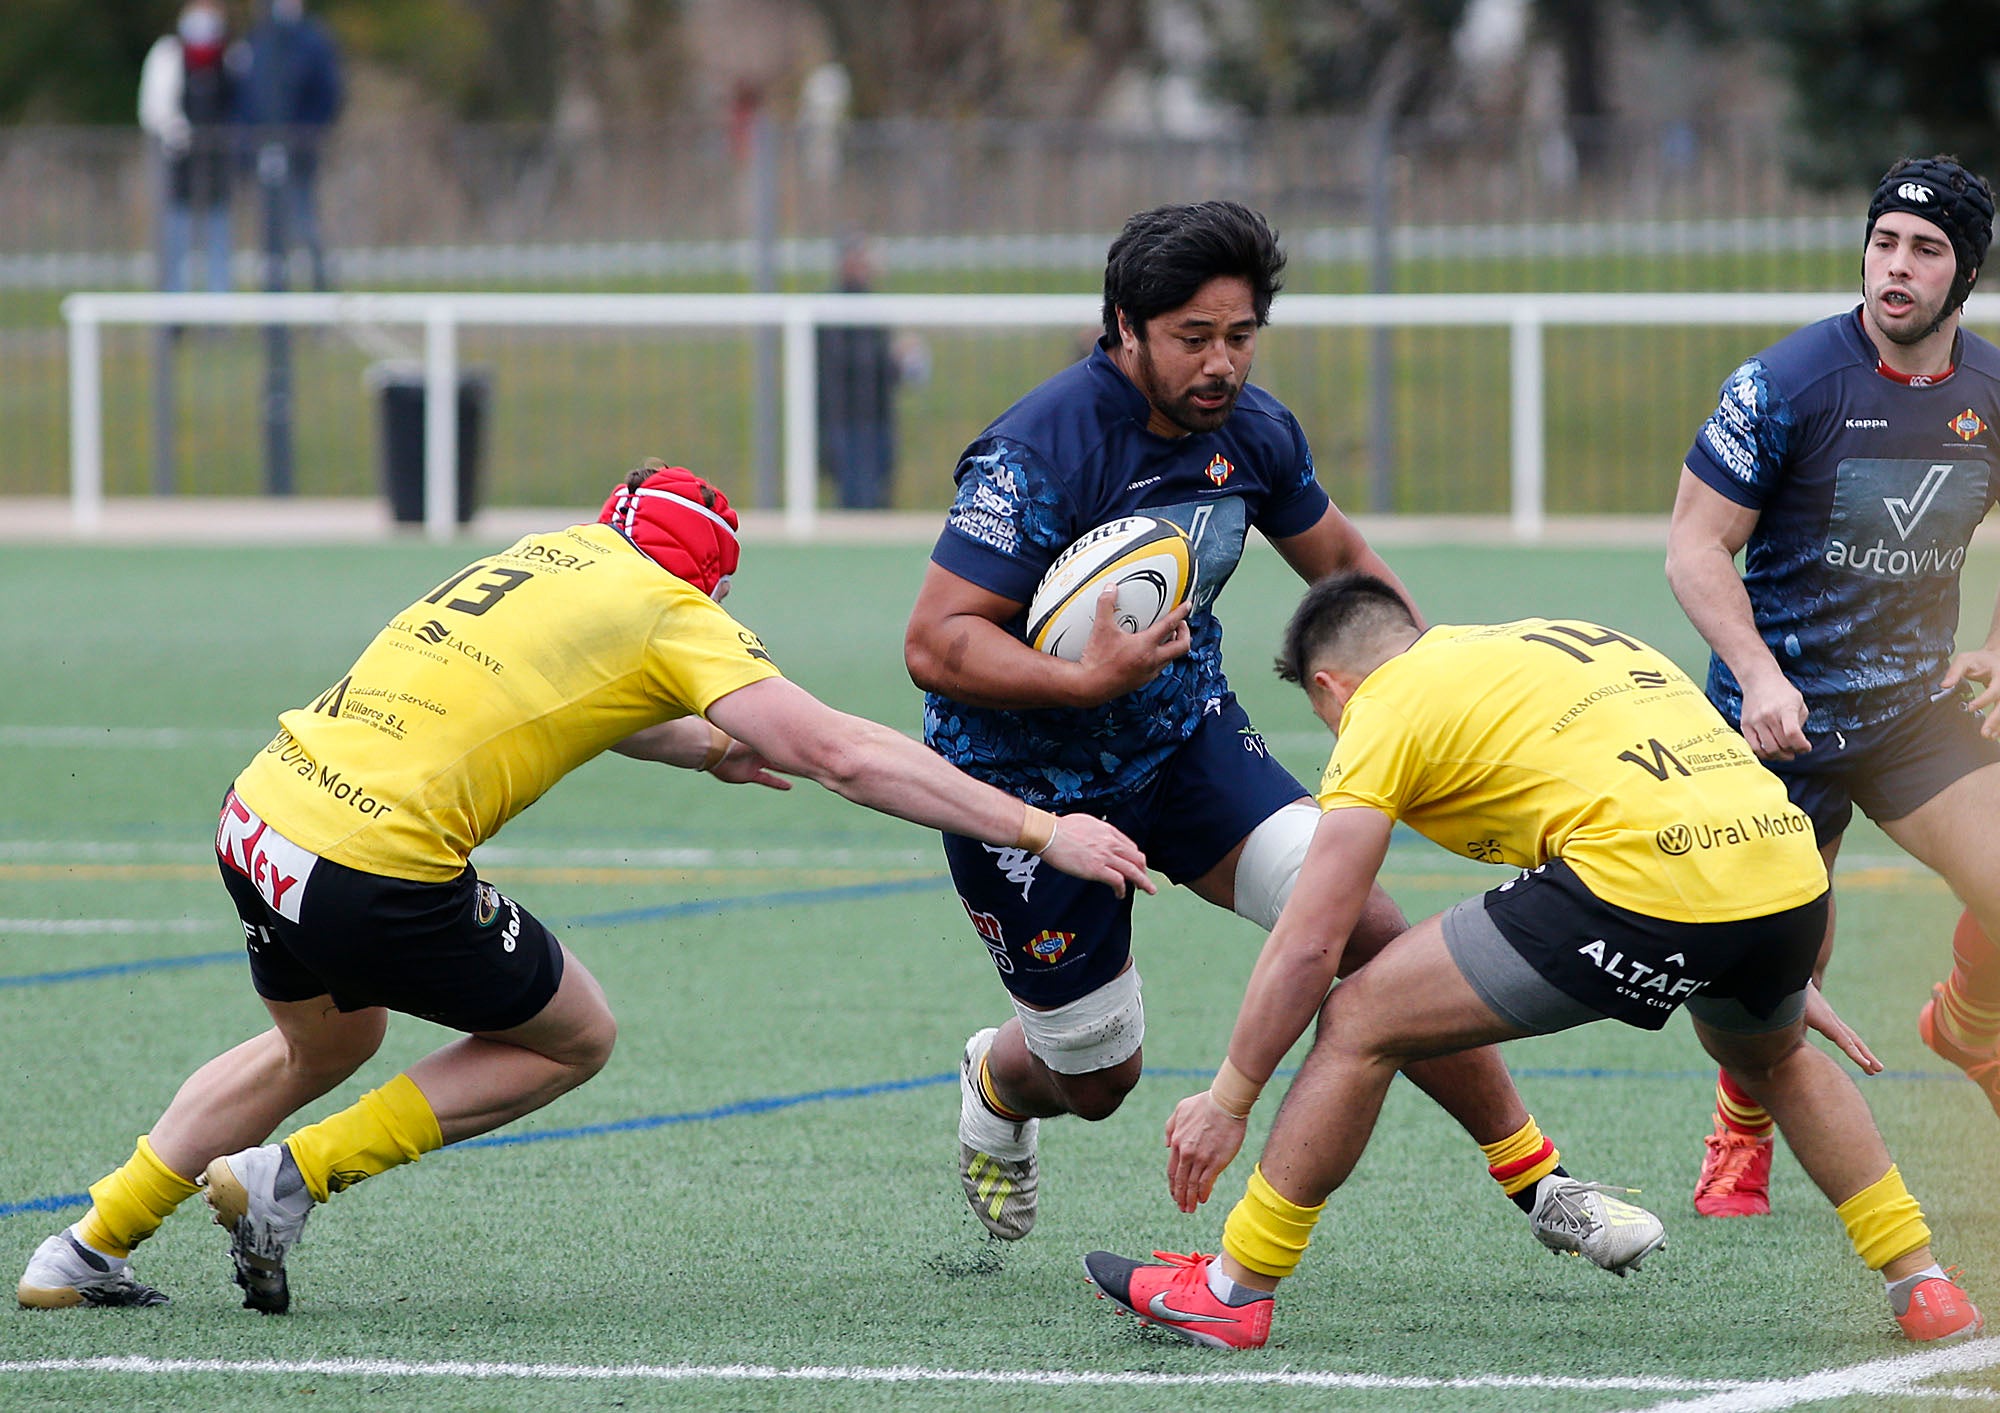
(441, 316)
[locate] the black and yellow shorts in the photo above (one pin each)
(458, 953)
(1545, 953)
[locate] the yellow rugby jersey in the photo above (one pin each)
(1517, 743)
(485, 692)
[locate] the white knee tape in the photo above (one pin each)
(1091, 1033)
(1269, 864)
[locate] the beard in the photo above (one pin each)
(1923, 319)
(1180, 408)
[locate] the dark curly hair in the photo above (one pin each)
(1163, 256)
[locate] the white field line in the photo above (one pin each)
(1881, 1378)
(895, 1374)
(99, 926)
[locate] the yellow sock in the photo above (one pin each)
(383, 1129)
(1265, 1231)
(128, 1205)
(1522, 1159)
(1884, 1221)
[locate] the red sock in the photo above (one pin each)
(1737, 1111)
(1969, 1002)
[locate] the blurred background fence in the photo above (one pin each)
(981, 207)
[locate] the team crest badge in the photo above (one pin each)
(1049, 946)
(1967, 425)
(1220, 469)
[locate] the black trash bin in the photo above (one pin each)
(400, 389)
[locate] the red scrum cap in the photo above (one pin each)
(678, 521)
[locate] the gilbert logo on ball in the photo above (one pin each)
(1149, 560)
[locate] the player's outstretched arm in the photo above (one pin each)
(872, 765)
(693, 744)
(1294, 972)
(955, 645)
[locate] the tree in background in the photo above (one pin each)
(1873, 80)
(971, 58)
(75, 61)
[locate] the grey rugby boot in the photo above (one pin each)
(996, 1158)
(261, 1200)
(1582, 1219)
(64, 1273)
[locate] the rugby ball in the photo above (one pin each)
(1151, 561)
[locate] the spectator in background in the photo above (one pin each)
(188, 90)
(859, 372)
(292, 95)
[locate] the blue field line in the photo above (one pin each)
(50, 978)
(745, 1108)
(695, 908)
(740, 1109)
(699, 906)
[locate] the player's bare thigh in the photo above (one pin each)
(1957, 833)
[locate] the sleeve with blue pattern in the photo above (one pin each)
(1741, 448)
(1008, 521)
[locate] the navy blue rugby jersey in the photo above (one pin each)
(1867, 491)
(1069, 456)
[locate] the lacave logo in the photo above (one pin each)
(1914, 191)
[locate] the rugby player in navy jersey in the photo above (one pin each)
(1160, 419)
(1850, 463)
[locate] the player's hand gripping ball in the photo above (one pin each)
(1149, 560)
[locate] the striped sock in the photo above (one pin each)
(1520, 1160)
(991, 1099)
(1968, 1010)
(1737, 1111)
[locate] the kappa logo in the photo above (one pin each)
(1674, 840)
(1018, 864)
(433, 632)
(1048, 945)
(1967, 425)
(1907, 512)
(1220, 469)
(1914, 191)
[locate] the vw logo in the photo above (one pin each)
(1674, 840)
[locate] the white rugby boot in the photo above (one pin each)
(1582, 1218)
(996, 1158)
(261, 1200)
(64, 1273)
